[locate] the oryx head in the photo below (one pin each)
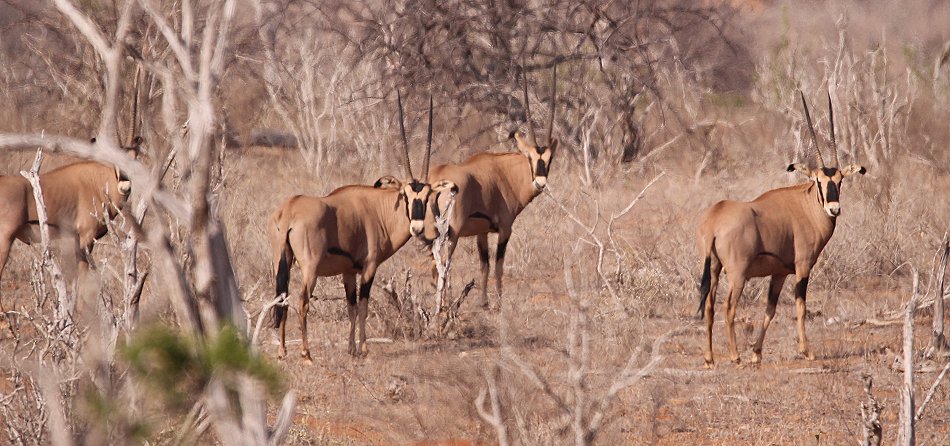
(414, 194)
(539, 156)
(123, 183)
(827, 179)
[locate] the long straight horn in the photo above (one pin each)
(405, 142)
(527, 106)
(834, 144)
(134, 121)
(553, 102)
(811, 130)
(425, 165)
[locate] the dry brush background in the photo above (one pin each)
(596, 339)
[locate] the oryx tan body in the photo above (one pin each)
(349, 232)
(78, 198)
(493, 189)
(780, 233)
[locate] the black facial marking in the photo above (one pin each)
(800, 288)
(541, 150)
(502, 247)
(821, 194)
(541, 170)
(830, 171)
(416, 186)
(418, 210)
(832, 192)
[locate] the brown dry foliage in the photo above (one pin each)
(705, 94)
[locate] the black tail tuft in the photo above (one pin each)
(283, 282)
(704, 284)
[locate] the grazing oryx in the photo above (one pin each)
(781, 232)
(349, 232)
(493, 189)
(78, 198)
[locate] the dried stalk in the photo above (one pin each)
(906, 435)
(66, 303)
(438, 245)
(931, 392)
(939, 342)
(871, 417)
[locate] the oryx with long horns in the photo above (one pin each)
(493, 189)
(782, 232)
(349, 232)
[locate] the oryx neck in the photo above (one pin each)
(521, 178)
(813, 208)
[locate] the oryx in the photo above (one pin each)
(78, 198)
(349, 232)
(493, 188)
(781, 232)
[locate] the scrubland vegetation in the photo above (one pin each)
(666, 105)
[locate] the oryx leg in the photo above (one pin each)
(710, 310)
(503, 236)
(349, 285)
(775, 288)
(366, 284)
(482, 241)
(309, 281)
(801, 288)
(6, 241)
(736, 284)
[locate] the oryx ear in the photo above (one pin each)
(442, 185)
(523, 145)
(853, 169)
(388, 182)
(801, 168)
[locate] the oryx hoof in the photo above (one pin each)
(756, 358)
(305, 355)
(352, 350)
(808, 355)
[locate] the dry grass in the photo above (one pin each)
(421, 390)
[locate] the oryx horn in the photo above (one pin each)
(527, 106)
(134, 121)
(811, 130)
(425, 165)
(834, 143)
(405, 142)
(553, 101)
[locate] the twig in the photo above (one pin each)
(931, 392)
(66, 303)
(871, 416)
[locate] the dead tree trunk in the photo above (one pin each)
(906, 437)
(939, 343)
